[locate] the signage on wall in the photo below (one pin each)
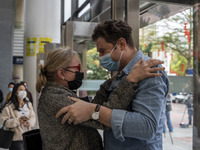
(31, 46)
(42, 42)
(17, 60)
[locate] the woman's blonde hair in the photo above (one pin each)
(58, 58)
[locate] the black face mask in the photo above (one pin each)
(73, 85)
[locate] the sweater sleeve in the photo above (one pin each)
(50, 102)
(6, 115)
(32, 117)
(115, 101)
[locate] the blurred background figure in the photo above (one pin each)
(19, 115)
(167, 114)
(29, 95)
(1, 99)
(189, 104)
(10, 88)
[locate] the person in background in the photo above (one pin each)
(141, 126)
(10, 88)
(189, 104)
(58, 79)
(29, 95)
(1, 99)
(167, 113)
(19, 115)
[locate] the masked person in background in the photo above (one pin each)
(62, 74)
(10, 88)
(19, 115)
(1, 99)
(29, 95)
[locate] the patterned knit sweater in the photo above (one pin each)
(85, 136)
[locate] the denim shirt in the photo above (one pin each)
(140, 128)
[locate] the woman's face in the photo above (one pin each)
(20, 88)
(72, 68)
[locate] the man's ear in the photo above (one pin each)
(122, 43)
(60, 73)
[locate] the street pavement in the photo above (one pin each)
(181, 137)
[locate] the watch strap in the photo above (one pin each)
(97, 108)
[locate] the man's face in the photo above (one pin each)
(11, 86)
(104, 48)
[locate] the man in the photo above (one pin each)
(10, 88)
(141, 127)
(189, 104)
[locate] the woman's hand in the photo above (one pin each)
(75, 113)
(143, 70)
(26, 124)
(23, 119)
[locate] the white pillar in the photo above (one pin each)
(41, 19)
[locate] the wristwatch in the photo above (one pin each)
(95, 114)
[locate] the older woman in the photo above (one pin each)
(60, 75)
(19, 115)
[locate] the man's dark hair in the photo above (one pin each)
(23, 82)
(111, 30)
(11, 83)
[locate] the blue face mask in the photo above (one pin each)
(107, 62)
(10, 90)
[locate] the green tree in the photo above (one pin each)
(146, 49)
(178, 40)
(148, 37)
(95, 71)
(177, 64)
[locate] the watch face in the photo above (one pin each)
(95, 115)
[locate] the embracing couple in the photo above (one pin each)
(129, 107)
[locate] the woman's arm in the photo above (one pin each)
(12, 122)
(32, 117)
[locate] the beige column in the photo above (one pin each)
(42, 22)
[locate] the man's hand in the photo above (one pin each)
(78, 112)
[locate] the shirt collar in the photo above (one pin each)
(134, 60)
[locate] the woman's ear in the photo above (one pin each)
(60, 73)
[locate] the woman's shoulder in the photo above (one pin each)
(9, 106)
(55, 92)
(55, 87)
(29, 104)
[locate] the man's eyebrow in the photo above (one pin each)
(101, 49)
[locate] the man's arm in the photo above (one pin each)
(105, 116)
(147, 113)
(81, 115)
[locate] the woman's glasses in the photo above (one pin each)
(78, 67)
